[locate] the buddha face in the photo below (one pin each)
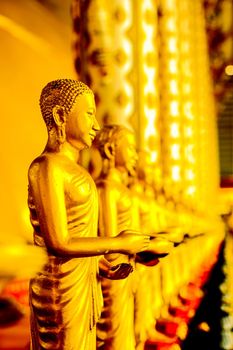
(81, 124)
(125, 153)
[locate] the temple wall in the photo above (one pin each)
(35, 48)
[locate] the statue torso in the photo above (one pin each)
(121, 195)
(80, 200)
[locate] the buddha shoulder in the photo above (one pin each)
(46, 165)
(137, 188)
(112, 180)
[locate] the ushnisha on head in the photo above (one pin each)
(68, 109)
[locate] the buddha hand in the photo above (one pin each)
(117, 272)
(133, 241)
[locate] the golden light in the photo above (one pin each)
(25, 216)
(174, 108)
(188, 131)
(174, 130)
(175, 173)
(229, 69)
(190, 190)
(203, 326)
(154, 156)
(25, 36)
(175, 151)
(169, 5)
(148, 57)
(150, 83)
(189, 153)
(172, 66)
(127, 47)
(127, 8)
(128, 90)
(187, 108)
(173, 86)
(147, 5)
(148, 43)
(151, 116)
(186, 88)
(171, 24)
(171, 103)
(189, 175)
(172, 45)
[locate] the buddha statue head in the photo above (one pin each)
(117, 147)
(68, 109)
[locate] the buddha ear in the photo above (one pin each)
(59, 115)
(109, 150)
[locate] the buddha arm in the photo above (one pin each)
(47, 183)
(160, 246)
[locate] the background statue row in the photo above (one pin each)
(127, 199)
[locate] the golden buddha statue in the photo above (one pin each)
(147, 289)
(65, 296)
(116, 144)
(117, 147)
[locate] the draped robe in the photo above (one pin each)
(65, 296)
(115, 329)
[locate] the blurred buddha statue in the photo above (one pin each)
(147, 291)
(117, 146)
(65, 296)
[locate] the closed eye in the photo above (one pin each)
(90, 114)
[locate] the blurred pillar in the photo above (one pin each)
(170, 91)
(116, 55)
(147, 62)
(189, 134)
(104, 56)
(207, 148)
(188, 111)
(147, 71)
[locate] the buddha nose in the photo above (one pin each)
(96, 126)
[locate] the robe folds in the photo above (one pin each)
(65, 296)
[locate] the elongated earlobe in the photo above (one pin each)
(109, 150)
(61, 134)
(59, 117)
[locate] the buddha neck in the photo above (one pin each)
(65, 149)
